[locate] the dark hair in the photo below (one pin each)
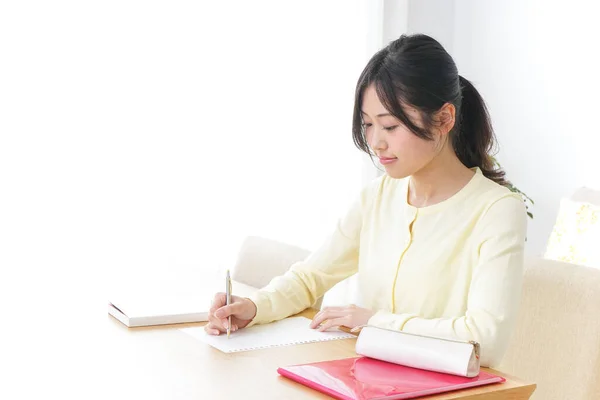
(416, 70)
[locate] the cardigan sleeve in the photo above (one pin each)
(306, 281)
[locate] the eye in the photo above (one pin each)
(366, 125)
(390, 128)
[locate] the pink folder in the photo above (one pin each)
(363, 378)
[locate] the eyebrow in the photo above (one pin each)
(378, 115)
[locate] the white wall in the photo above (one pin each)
(246, 132)
(434, 18)
(144, 140)
(535, 63)
(395, 20)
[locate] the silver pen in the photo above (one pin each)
(228, 300)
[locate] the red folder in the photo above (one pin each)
(363, 378)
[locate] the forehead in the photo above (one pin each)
(373, 107)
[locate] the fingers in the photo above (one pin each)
(216, 322)
(226, 311)
(328, 313)
(218, 301)
(219, 313)
(215, 330)
(334, 322)
(216, 317)
(208, 328)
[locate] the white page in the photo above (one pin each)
(289, 331)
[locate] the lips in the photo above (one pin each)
(387, 160)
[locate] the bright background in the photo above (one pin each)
(140, 141)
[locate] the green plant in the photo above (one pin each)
(514, 189)
(525, 198)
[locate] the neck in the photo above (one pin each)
(439, 180)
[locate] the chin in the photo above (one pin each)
(397, 173)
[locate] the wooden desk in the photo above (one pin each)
(164, 363)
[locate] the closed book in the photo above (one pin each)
(365, 378)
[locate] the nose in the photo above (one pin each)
(377, 141)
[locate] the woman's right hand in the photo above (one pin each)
(241, 309)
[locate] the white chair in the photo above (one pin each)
(556, 343)
(259, 260)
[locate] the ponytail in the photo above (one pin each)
(474, 137)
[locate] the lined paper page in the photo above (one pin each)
(290, 331)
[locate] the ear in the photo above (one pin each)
(446, 117)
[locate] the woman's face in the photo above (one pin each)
(401, 152)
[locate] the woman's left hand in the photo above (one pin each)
(350, 317)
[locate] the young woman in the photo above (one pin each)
(438, 240)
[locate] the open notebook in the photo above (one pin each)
(290, 331)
